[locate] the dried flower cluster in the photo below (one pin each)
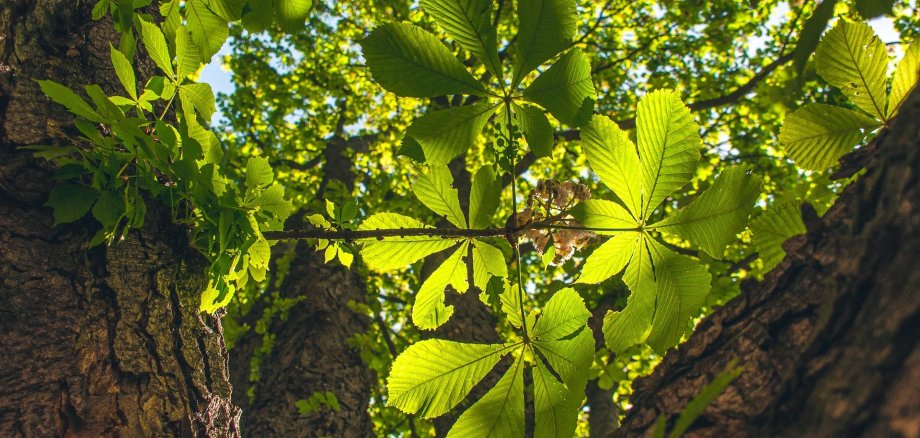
(548, 205)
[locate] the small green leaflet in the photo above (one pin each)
(612, 156)
(905, 77)
(777, 224)
(681, 288)
(70, 100)
(428, 310)
(811, 33)
(470, 23)
(410, 62)
(291, 14)
(609, 259)
(546, 28)
(714, 218)
(816, 135)
(436, 191)
(565, 89)
(155, 43)
(125, 71)
(851, 58)
(485, 195)
(445, 134)
(208, 30)
(499, 413)
(536, 128)
(70, 201)
(397, 252)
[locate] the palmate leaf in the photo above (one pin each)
(816, 135)
(905, 77)
(612, 156)
(397, 252)
(445, 134)
(714, 218)
(772, 228)
(485, 194)
(536, 128)
(565, 89)
(546, 28)
(411, 62)
(431, 377)
(851, 58)
(436, 191)
(681, 288)
(469, 22)
(429, 311)
(609, 259)
(499, 413)
(669, 146)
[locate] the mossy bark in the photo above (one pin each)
(104, 341)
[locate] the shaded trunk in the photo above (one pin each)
(102, 341)
(312, 353)
(829, 340)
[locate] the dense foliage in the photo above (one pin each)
(593, 171)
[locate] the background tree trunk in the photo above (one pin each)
(100, 342)
(829, 340)
(312, 350)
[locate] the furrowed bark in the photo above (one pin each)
(96, 342)
(829, 340)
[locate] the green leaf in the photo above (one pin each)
(272, 200)
(499, 413)
(485, 195)
(125, 71)
(669, 146)
(109, 209)
(258, 15)
(570, 356)
(396, 252)
(70, 201)
(291, 14)
(556, 407)
(511, 304)
(564, 314)
(436, 191)
(870, 9)
(546, 28)
(565, 89)
(776, 225)
(411, 62)
(429, 311)
(200, 97)
(155, 43)
(536, 128)
(70, 100)
(448, 133)
(609, 259)
(681, 288)
(714, 218)
(259, 253)
(469, 23)
(488, 261)
(851, 58)
(905, 78)
(630, 326)
(604, 217)
(612, 156)
(208, 30)
(811, 33)
(431, 377)
(187, 54)
(229, 10)
(816, 135)
(258, 173)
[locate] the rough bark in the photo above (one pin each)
(829, 340)
(311, 353)
(102, 341)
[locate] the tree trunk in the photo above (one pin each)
(102, 341)
(829, 340)
(312, 352)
